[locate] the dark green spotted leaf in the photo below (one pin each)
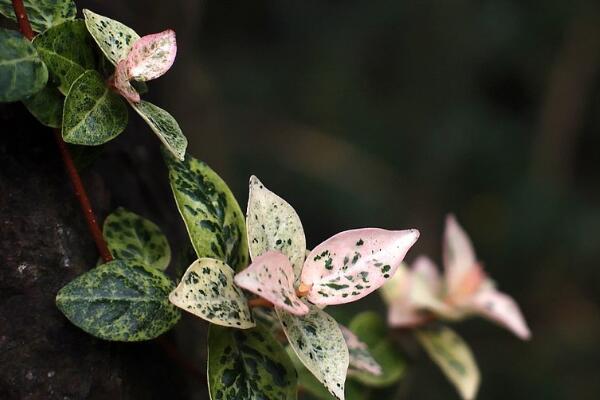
(248, 365)
(136, 239)
(120, 301)
(46, 106)
(66, 50)
(42, 14)
(114, 38)
(164, 126)
(371, 329)
(22, 72)
(92, 114)
(212, 216)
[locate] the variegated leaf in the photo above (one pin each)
(501, 309)
(361, 359)
(271, 277)
(114, 38)
(164, 126)
(274, 225)
(450, 352)
(318, 342)
(132, 237)
(120, 80)
(42, 14)
(248, 365)
(352, 264)
(463, 273)
(152, 55)
(207, 291)
(211, 214)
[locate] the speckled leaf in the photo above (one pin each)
(352, 264)
(370, 328)
(164, 125)
(361, 359)
(120, 81)
(211, 214)
(120, 301)
(92, 113)
(271, 277)
(207, 291)
(454, 358)
(274, 225)
(152, 55)
(22, 72)
(42, 14)
(46, 106)
(318, 342)
(66, 50)
(136, 239)
(114, 38)
(248, 365)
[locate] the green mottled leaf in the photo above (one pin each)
(42, 14)
(452, 354)
(207, 291)
(114, 38)
(120, 301)
(46, 106)
(371, 329)
(22, 72)
(66, 50)
(248, 365)
(318, 342)
(136, 239)
(92, 113)
(212, 216)
(164, 125)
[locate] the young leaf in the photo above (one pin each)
(207, 291)
(22, 72)
(454, 358)
(361, 359)
(92, 113)
(460, 261)
(318, 342)
(152, 55)
(42, 14)
(274, 225)
(138, 240)
(370, 328)
(164, 125)
(119, 301)
(271, 277)
(66, 50)
(249, 365)
(46, 106)
(501, 309)
(352, 264)
(121, 82)
(211, 214)
(114, 39)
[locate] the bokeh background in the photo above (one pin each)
(394, 113)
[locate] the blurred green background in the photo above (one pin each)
(393, 113)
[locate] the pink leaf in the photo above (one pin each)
(360, 357)
(460, 262)
(271, 276)
(503, 310)
(352, 264)
(120, 81)
(403, 314)
(152, 55)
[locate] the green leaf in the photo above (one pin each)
(66, 50)
(207, 290)
(454, 357)
(164, 125)
(114, 38)
(92, 113)
(42, 14)
(248, 365)
(133, 238)
(22, 72)
(46, 106)
(318, 342)
(372, 330)
(120, 301)
(212, 216)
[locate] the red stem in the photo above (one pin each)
(80, 192)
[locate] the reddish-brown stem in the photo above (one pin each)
(21, 15)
